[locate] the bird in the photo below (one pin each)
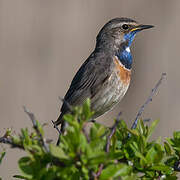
(105, 76)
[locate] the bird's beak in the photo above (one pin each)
(141, 27)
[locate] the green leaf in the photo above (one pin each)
(171, 178)
(2, 156)
(56, 151)
(155, 154)
(133, 131)
(25, 164)
(135, 148)
(72, 121)
(142, 158)
(101, 131)
(176, 135)
(87, 109)
(116, 155)
(83, 144)
(164, 168)
(167, 148)
(152, 128)
(97, 130)
(141, 127)
(40, 127)
(97, 158)
(25, 136)
(113, 171)
(151, 173)
(16, 140)
(20, 177)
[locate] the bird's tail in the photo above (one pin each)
(60, 121)
(63, 124)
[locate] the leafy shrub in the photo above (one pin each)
(103, 153)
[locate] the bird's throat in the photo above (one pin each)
(125, 57)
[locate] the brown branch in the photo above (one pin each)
(35, 126)
(113, 130)
(9, 141)
(149, 99)
(6, 139)
(99, 171)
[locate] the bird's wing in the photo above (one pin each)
(87, 81)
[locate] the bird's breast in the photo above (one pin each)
(112, 90)
(122, 72)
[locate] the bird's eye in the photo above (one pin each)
(125, 26)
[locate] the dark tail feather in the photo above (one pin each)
(63, 124)
(63, 127)
(59, 120)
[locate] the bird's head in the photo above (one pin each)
(119, 31)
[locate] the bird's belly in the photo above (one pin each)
(111, 92)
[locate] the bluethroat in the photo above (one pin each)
(105, 76)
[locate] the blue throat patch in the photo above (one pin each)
(130, 37)
(125, 58)
(123, 55)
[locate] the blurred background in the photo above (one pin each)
(43, 43)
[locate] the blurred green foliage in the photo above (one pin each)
(131, 154)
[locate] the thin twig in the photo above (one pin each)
(99, 171)
(34, 122)
(58, 130)
(113, 130)
(56, 127)
(149, 99)
(7, 140)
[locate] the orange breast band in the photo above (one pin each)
(124, 74)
